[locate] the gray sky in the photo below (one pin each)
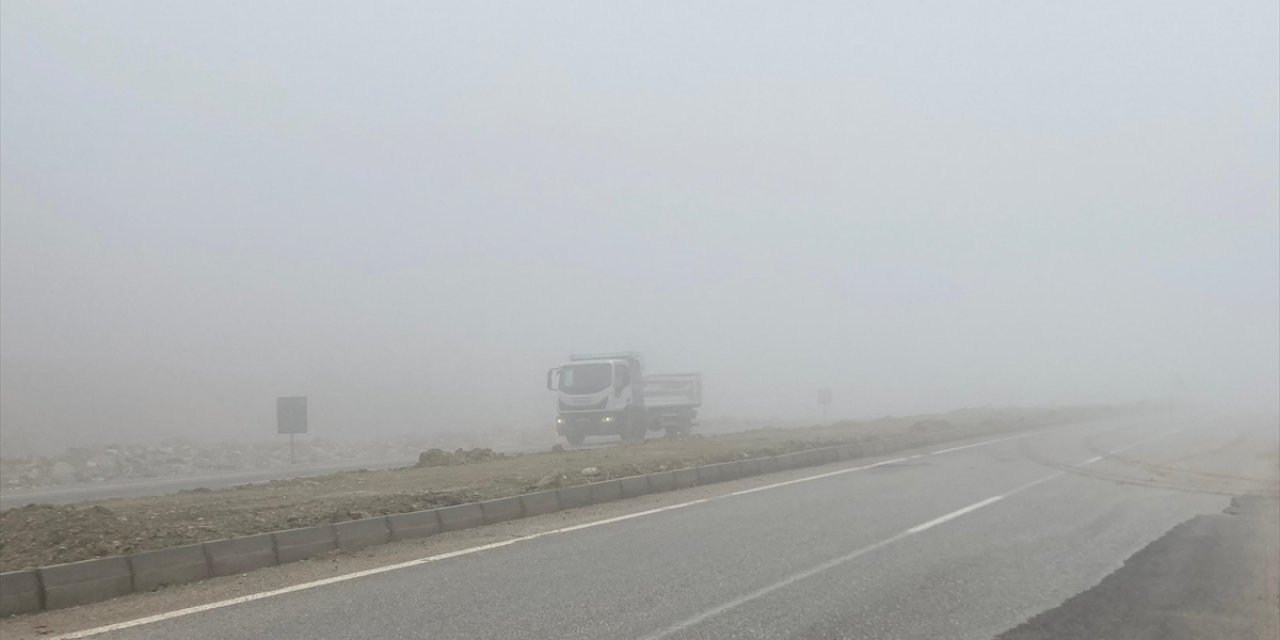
(408, 211)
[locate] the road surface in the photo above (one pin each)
(960, 541)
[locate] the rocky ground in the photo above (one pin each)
(37, 535)
(113, 462)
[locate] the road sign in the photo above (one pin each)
(291, 418)
(291, 415)
(824, 399)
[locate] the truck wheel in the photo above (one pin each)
(575, 438)
(673, 432)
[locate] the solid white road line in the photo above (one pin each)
(85, 633)
(953, 515)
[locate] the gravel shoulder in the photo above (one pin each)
(37, 535)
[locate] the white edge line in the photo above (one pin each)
(160, 617)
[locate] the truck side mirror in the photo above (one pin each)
(549, 372)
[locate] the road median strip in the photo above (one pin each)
(83, 582)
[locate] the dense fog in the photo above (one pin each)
(408, 212)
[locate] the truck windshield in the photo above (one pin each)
(585, 378)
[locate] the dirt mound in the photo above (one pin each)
(442, 458)
(37, 535)
(93, 531)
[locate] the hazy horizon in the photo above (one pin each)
(408, 212)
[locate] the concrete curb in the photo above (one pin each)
(88, 581)
(607, 491)
(784, 461)
(708, 474)
(20, 592)
(502, 509)
(536, 504)
(67, 585)
(574, 497)
(662, 481)
(461, 516)
(175, 565)
(358, 534)
(686, 478)
(299, 544)
(416, 524)
(238, 555)
(634, 486)
(767, 465)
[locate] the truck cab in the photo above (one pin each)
(600, 394)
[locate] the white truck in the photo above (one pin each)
(608, 394)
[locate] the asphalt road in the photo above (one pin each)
(937, 543)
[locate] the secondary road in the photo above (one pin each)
(947, 542)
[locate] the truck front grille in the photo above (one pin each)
(584, 407)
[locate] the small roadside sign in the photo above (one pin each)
(824, 399)
(291, 418)
(291, 414)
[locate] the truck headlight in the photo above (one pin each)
(559, 420)
(606, 419)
